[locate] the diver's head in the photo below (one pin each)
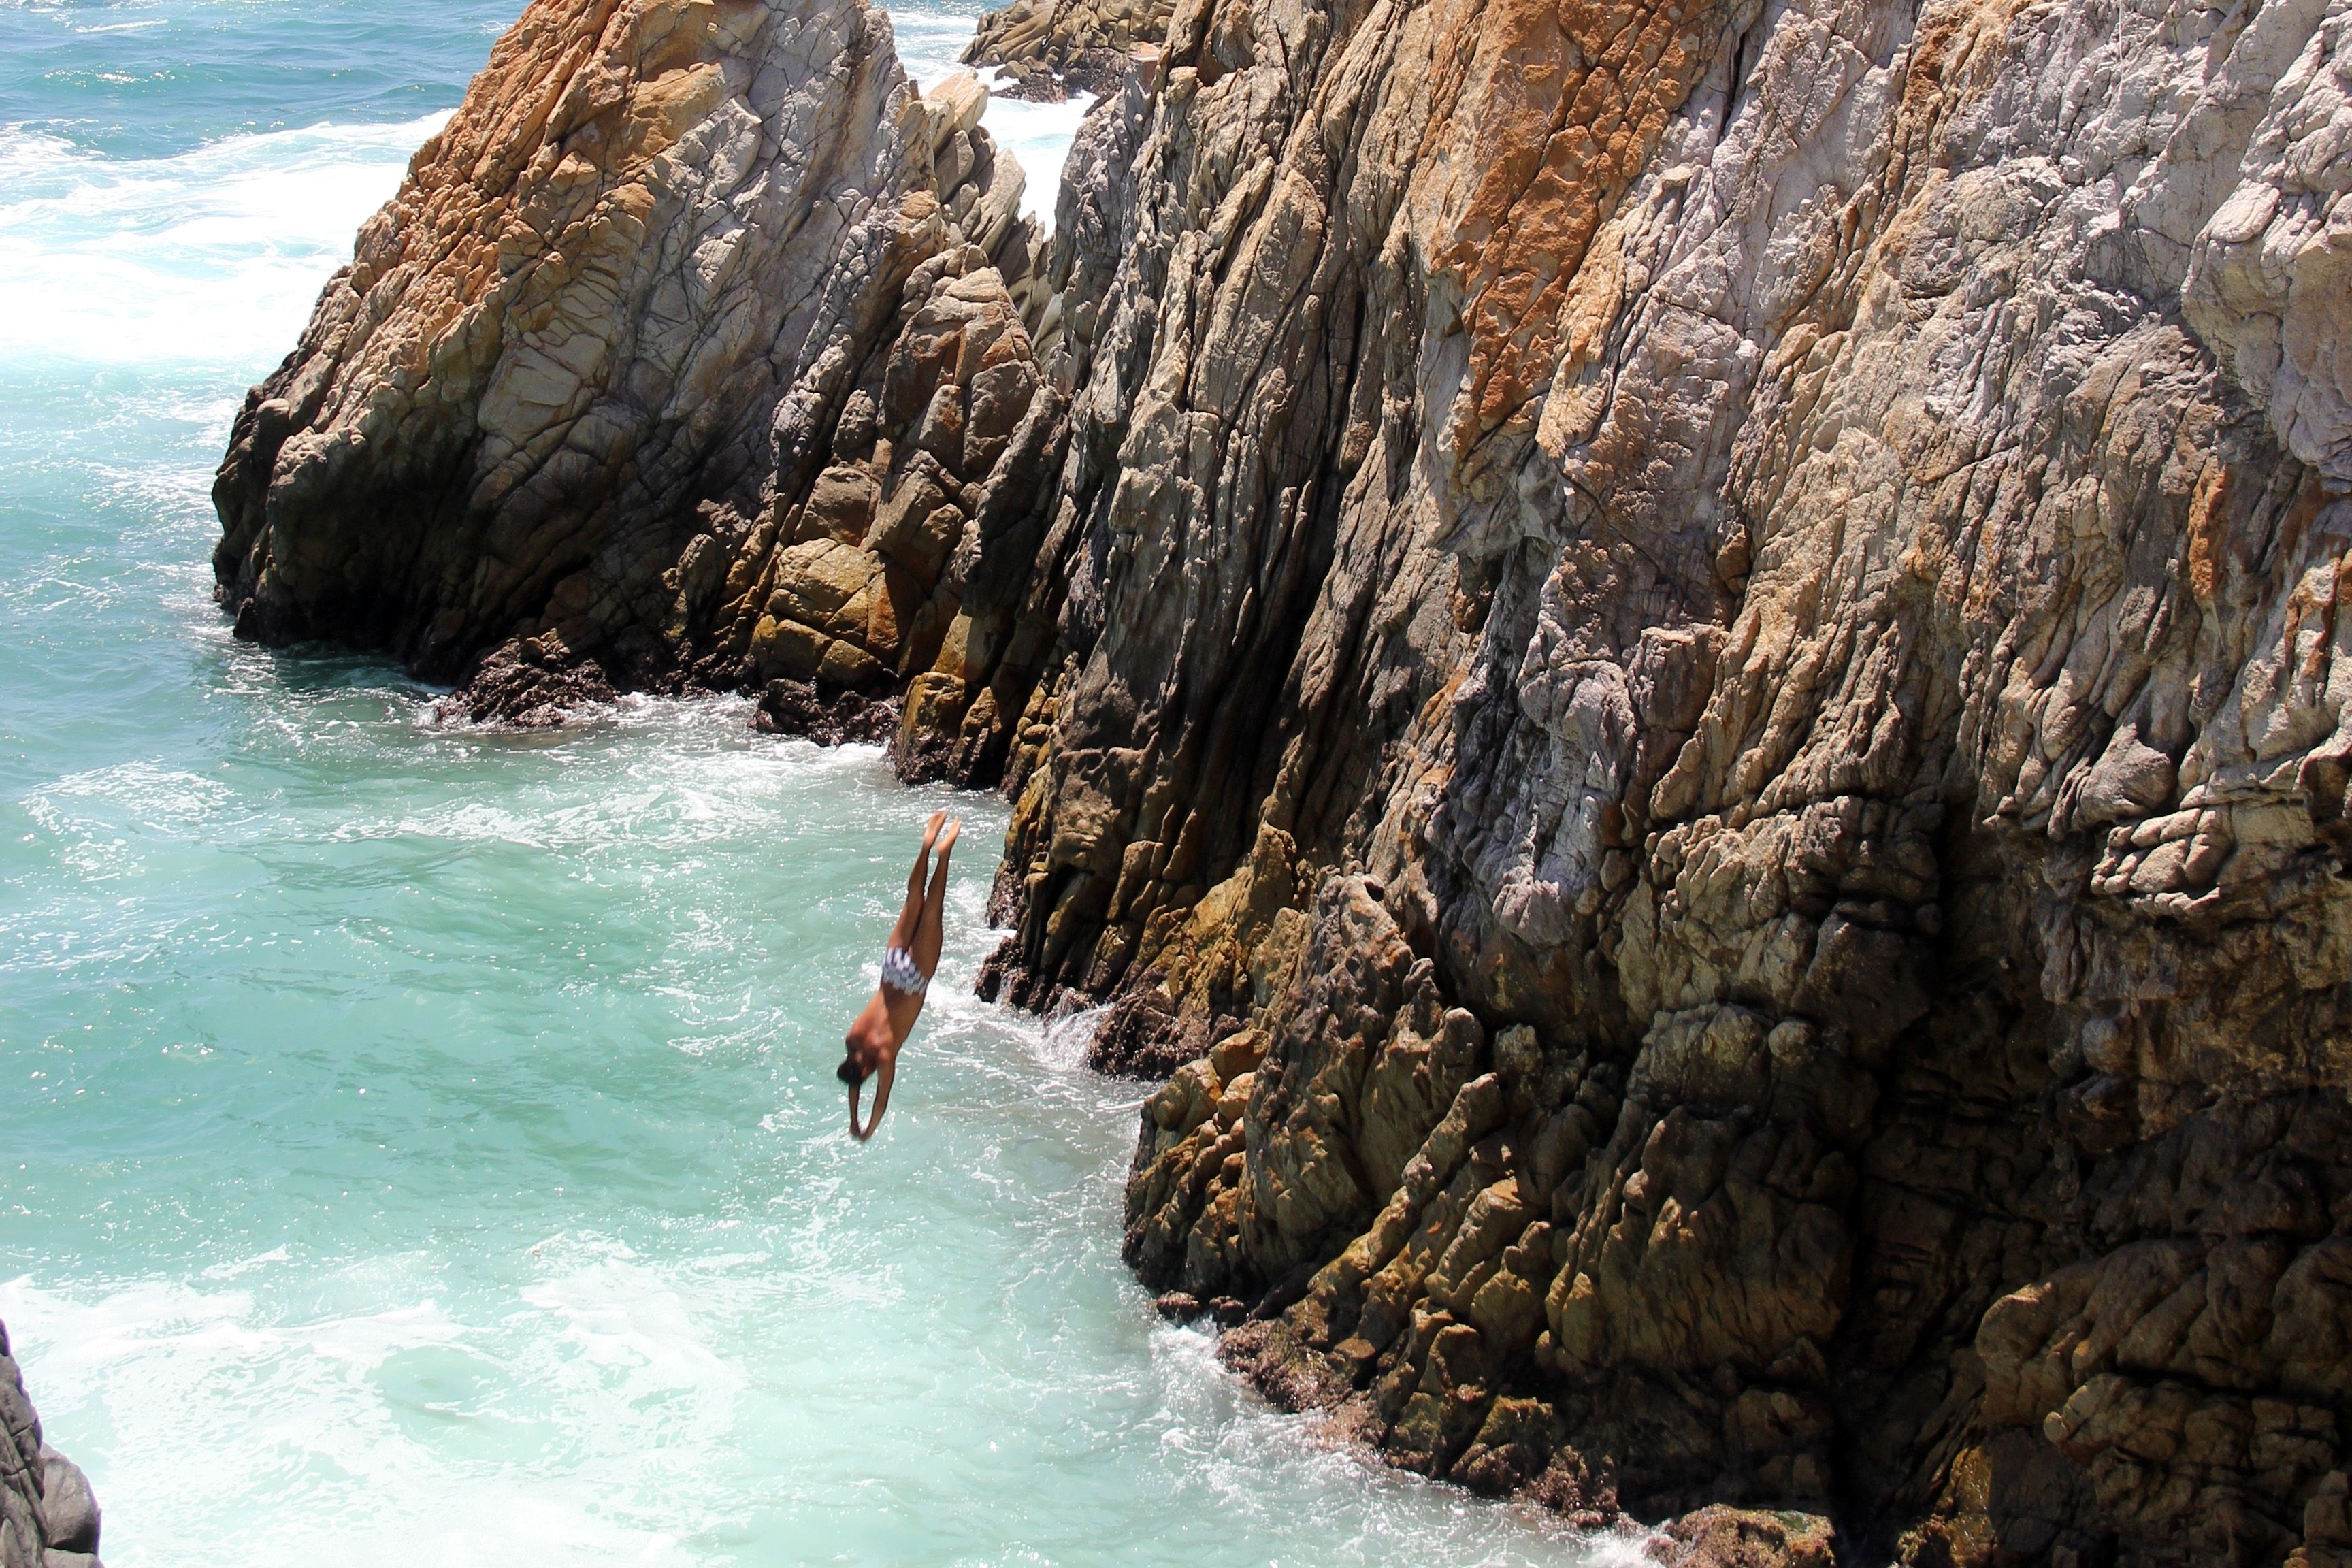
(860, 1059)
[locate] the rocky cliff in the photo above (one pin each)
(677, 359)
(48, 1517)
(1682, 660)
(1699, 678)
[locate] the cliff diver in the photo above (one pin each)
(912, 953)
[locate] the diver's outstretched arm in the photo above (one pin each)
(881, 1102)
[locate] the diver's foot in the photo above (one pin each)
(946, 839)
(931, 831)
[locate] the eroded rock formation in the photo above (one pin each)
(49, 1518)
(678, 359)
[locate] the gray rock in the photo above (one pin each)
(69, 1511)
(595, 372)
(48, 1516)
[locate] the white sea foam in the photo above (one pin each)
(216, 254)
(309, 1436)
(1066, 1040)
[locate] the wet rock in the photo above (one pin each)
(1271, 1356)
(1137, 1040)
(1146, 1035)
(1721, 1537)
(843, 718)
(526, 683)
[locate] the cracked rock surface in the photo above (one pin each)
(1678, 660)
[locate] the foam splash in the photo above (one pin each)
(199, 1404)
(216, 255)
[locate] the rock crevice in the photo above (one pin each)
(1695, 696)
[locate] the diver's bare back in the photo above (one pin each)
(908, 960)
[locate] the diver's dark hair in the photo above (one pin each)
(849, 1072)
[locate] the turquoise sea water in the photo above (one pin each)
(419, 1145)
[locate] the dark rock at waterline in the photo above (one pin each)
(1720, 1536)
(526, 683)
(48, 1516)
(830, 719)
(1143, 1037)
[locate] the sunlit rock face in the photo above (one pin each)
(670, 361)
(1690, 659)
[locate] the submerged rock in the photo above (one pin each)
(526, 683)
(796, 708)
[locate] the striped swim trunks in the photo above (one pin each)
(899, 974)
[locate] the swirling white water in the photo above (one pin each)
(423, 1145)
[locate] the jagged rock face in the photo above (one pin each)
(1698, 644)
(858, 586)
(581, 382)
(49, 1518)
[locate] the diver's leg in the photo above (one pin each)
(932, 929)
(905, 931)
